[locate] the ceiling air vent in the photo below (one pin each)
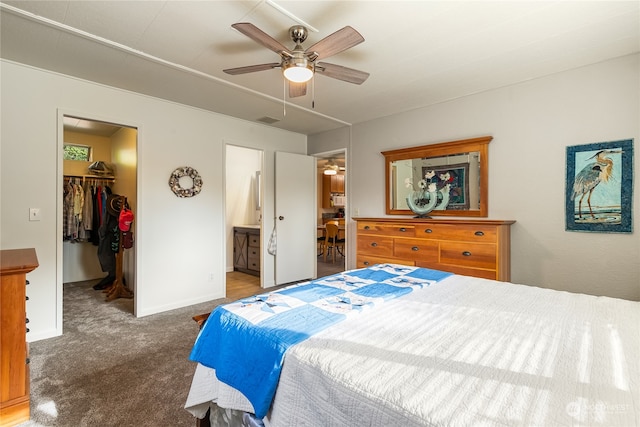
(268, 120)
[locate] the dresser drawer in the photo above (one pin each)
(457, 269)
(378, 246)
(367, 261)
(415, 249)
(462, 232)
(400, 230)
(468, 255)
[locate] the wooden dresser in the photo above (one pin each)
(14, 353)
(479, 248)
(246, 249)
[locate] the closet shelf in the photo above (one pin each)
(89, 176)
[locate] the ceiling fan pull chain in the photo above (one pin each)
(313, 94)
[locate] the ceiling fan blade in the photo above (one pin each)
(251, 68)
(335, 43)
(297, 89)
(261, 37)
(342, 73)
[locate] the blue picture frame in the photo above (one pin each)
(599, 187)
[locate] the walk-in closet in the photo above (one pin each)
(99, 209)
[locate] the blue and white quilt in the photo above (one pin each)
(245, 341)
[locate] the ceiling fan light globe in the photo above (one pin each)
(330, 172)
(298, 74)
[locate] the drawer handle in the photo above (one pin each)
(479, 233)
(466, 253)
(428, 230)
(374, 244)
(403, 229)
(366, 227)
(27, 361)
(27, 281)
(366, 263)
(26, 320)
(415, 248)
(27, 298)
(27, 330)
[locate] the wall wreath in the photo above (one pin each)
(178, 190)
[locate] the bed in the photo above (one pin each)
(454, 350)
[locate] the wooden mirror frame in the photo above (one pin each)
(438, 150)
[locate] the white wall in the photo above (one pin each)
(532, 124)
(178, 241)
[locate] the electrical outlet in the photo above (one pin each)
(211, 277)
(356, 212)
(35, 214)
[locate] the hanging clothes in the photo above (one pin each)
(86, 223)
(95, 237)
(72, 210)
(67, 211)
(79, 212)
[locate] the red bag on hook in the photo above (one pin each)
(127, 239)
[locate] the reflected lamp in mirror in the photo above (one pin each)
(455, 172)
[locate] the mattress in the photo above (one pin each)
(463, 351)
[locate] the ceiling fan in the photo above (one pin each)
(331, 167)
(299, 65)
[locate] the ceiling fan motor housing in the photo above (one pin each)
(298, 34)
(296, 66)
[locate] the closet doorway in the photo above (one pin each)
(99, 180)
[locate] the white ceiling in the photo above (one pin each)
(91, 127)
(417, 52)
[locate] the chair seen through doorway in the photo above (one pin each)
(332, 243)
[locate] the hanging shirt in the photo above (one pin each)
(86, 225)
(67, 211)
(78, 201)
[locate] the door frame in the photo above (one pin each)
(326, 155)
(116, 121)
(237, 144)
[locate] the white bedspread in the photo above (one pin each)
(463, 352)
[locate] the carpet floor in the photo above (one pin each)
(110, 368)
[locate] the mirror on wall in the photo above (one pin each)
(459, 166)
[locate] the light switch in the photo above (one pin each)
(34, 214)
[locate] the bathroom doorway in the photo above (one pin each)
(244, 234)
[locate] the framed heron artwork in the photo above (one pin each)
(599, 187)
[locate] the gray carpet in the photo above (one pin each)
(112, 369)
